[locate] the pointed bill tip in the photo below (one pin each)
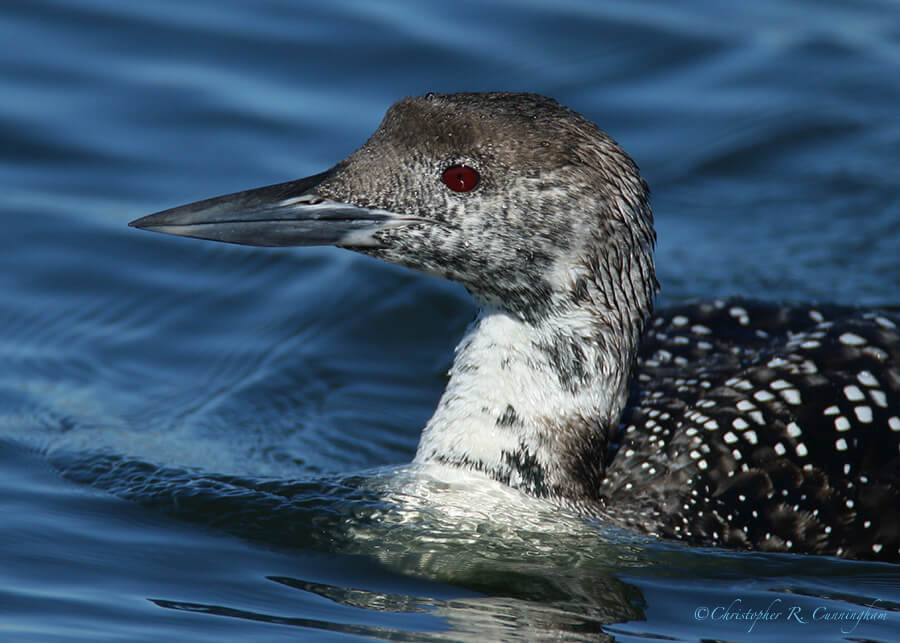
(287, 214)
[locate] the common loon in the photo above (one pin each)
(728, 423)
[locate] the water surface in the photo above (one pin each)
(206, 442)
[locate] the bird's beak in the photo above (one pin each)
(286, 214)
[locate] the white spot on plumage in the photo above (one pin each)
(863, 414)
(894, 423)
(751, 437)
(853, 393)
(840, 444)
(841, 423)
(739, 423)
(877, 353)
(763, 396)
(867, 379)
(778, 385)
(793, 429)
(801, 450)
(851, 339)
(730, 438)
(780, 450)
(831, 410)
(791, 396)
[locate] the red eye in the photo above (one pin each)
(460, 178)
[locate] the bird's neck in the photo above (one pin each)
(534, 404)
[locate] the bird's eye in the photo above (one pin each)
(460, 178)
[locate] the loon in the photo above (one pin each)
(729, 423)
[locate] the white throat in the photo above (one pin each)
(529, 403)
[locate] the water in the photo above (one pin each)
(202, 442)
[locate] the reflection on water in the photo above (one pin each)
(487, 618)
(538, 569)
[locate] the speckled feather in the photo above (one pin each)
(764, 426)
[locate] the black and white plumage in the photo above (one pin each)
(730, 423)
(781, 421)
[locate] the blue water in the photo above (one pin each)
(200, 441)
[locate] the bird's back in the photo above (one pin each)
(764, 426)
